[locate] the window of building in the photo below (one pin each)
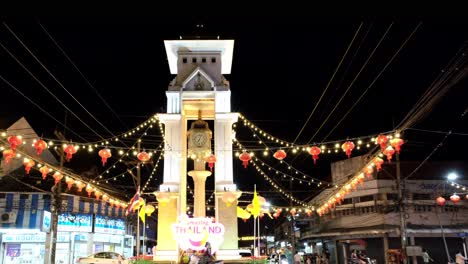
(366, 198)
(24, 196)
(194, 60)
(213, 59)
(347, 201)
(184, 59)
(203, 60)
(422, 196)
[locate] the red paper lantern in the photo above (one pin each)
(28, 164)
(89, 190)
(104, 154)
(40, 145)
(455, 198)
(378, 163)
(69, 182)
(44, 170)
(440, 200)
(396, 143)
(98, 194)
(315, 152)
(245, 157)
(79, 186)
(293, 212)
(369, 171)
(211, 161)
(275, 215)
(382, 141)
(70, 150)
(143, 156)
(347, 147)
(280, 154)
(389, 151)
(15, 141)
(58, 177)
(8, 154)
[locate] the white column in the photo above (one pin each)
(223, 150)
(173, 151)
(173, 102)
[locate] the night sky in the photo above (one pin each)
(280, 68)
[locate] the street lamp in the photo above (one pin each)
(452, 176)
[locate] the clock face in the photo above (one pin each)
(199, 139)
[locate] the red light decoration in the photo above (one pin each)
(69, 182)
(280, 154)
(275, 215)
(89, 190)
(8, 154)
(15, 141)
(455, 198)
(293, 212)
(347, 147)
(245, 157)
(105, 197)
(40, 145)
(396, 143)
(44, 170)
(378, 163)
(440, 200)
(70, 150)
(315, 152)
(211, 161)
(104, 154)
(143, 156)
(389, 151)
(382, 141)
(79, 186)
(28, 164)
(111, 202)
(97, 194)
(369, 171)
(58, 177)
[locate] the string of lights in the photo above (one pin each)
(155, 168)
(70, 178)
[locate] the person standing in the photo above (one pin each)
(297, 258)
(426, 256)
(459, 258)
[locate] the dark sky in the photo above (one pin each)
(280, 68)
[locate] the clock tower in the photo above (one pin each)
(198, 92)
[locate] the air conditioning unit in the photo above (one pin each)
(8, 217)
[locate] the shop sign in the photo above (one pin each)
(46, 221)
(75, 222)
(31, 238)
(109, 225)
(193, 233)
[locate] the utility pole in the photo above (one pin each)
(293, 235)
(138, 215)
(401, 209)
(56, 209)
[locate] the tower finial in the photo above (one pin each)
(199, 114)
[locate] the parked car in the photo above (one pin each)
(103, 258)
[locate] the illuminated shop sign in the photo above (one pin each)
(193, 233)
(46, 221)
(75, 222)
(109, 225)
(33, 238)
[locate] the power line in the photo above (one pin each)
(40, 108)
(373, 81)
(329, 82)
(81, 73)
(43, 86)
(352, 82)
(56, 80)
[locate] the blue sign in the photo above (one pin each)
(75, 222)
(109, 225)
(46, 221)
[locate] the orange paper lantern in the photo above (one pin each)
(44, 170)
(58, 177)
(143, 156)
(245, 157)
(40, 145)
(211, 161)
(396, 143)
(389, 151)
(28, 164)
(69, 182)
(8, 154)
(15, 141)
(382, 141)
(378, 163)
(70, 150)
(279, 154)
(315, 152)
(104, 154)
(347, 147)
(440, 200)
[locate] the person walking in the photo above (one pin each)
(426, 256)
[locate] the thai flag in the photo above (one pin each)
(134, 202)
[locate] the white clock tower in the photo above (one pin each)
(198, 92)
